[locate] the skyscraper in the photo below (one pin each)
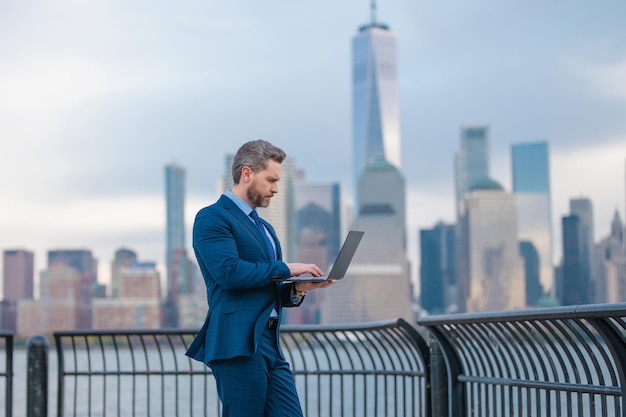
(575, 286)
(531, 189)
(583, 209)
(318, 207)
(180, 270)
(377, 285)
(179, 275)
(493, 278)
(18, 274)
(472, 161)
(610, 256)
(123, 258)
(281, 212)
(471, 164)
(60, 306)
(375, 104)
(318, 212)
(437, 268)
(138, 301)
(83, 262)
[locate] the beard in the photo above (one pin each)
(256, 198)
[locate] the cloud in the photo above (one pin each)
(609, 80)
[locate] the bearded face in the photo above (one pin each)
(256, 197)
(261, 186)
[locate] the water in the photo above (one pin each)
(194, 395)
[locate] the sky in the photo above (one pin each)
(97, 97)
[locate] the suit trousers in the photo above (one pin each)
(258, 386)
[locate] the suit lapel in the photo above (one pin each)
(240, 216)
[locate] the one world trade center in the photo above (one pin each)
(375, 108)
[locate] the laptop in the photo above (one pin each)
(340, 266)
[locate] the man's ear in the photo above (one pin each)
(246, 173)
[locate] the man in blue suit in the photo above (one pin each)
(239, 255)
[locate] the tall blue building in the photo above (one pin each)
(574, 286)
(472, 161)
(179, 267)
(531, 189)
(174, 208)
(375, 104)
(583, 209)
(438, 269)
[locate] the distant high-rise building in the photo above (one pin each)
(138, 304)
(59, 306)
(377, 285)
(493, 278)
(610, 269)
(531, 188)
(472, 161)
(583, 209)
(575, 284)
(83, 262)
(18, 274)
(438, 268)
(318, 214)
(179, 277)
(281, 212)
(530, 255)
(375, 103)
(123, 258)
(318, 207)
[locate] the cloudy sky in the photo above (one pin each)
(97, 97)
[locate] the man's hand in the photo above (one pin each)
(298, 269)
(314, 270)
(307, 286)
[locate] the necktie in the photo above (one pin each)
(259, 224)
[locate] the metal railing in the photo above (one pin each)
(374, 369)
(368, 370)
(562, 361)
(6, 371)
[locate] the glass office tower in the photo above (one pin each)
(583, 209)
(493, 278)
(179, 279)
(472, 161)
(375, 104)
(531, 188)
(438, 269)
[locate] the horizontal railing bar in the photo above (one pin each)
(188, 373)
(550, 386)
(535, 314)
(349, 327)
(179, 331)
(125, 332)
(133, 373)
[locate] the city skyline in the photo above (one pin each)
(87, 126)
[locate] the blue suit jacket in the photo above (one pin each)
(238, 272)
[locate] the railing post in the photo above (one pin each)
(438, 380)
(37, 377)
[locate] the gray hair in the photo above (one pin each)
(254, 155)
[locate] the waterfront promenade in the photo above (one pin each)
(562, 361)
